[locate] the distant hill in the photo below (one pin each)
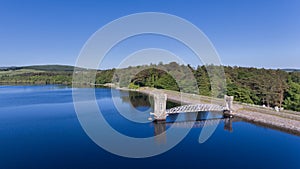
(9, 68)
(46, 68)
(68, 68)
(59, 68)
(291, 70)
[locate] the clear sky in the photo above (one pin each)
(252, 33)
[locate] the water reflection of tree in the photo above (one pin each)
(139, 99)
(172, 104)
(136, 99)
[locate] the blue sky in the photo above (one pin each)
(252, 33)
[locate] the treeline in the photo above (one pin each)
(37, 78)
(267, 87)
(264, 86)
(249, 85)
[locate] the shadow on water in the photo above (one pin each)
(202, 119)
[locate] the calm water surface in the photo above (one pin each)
(39, 129)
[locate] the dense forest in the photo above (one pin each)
(249, 85)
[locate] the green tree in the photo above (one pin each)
(292, 100)
(240, 94)
(203, 81)
(133, 86)
(166, 82)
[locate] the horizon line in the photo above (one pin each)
(194, 66)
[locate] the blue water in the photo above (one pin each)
(39, 129)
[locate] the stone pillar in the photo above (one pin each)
(228, 102)
(160, 101)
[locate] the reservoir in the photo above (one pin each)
(39, 129)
